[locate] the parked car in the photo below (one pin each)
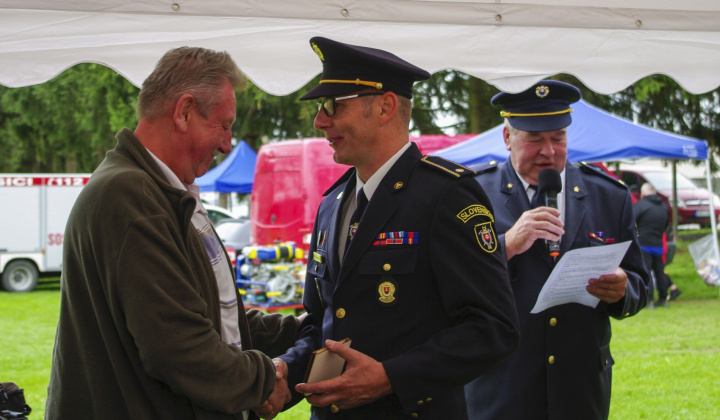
(693, 201)
(234, 234)
(216, 214)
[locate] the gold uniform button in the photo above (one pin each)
(421, 402)
(428, 399)
(340, 313)
(414, 415)
(387, 267)
(553, 322)
(334, 408)
(551, 360)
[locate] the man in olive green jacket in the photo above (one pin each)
(151, 324)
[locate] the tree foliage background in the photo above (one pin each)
(69, 123)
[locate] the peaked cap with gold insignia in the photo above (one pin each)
(543, 107)
(350, 68)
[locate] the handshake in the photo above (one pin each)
(280, 395)
(363, 381)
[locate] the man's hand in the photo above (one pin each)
(363, 381)
(538, 223)
(609, 288)
(280, 395)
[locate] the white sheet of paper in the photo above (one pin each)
(570, 276)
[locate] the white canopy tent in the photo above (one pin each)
(607, 44)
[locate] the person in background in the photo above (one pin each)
(151, 325)
(403, 259)
(653, 220)
(562, 369)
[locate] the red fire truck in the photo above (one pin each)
(290, 177)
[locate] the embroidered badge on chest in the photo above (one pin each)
(387, 290)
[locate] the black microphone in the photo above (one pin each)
(549, 185)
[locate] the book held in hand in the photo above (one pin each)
(325, 364)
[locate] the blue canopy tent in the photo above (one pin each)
(234, 174)
(595, 135)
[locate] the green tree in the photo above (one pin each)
(66, 124)
(455, 96)
(262, 117)
(69, 123)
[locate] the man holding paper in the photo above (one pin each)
(562, 369)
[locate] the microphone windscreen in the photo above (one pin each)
(549, 180)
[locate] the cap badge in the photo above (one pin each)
(542, 91)
(318, 52)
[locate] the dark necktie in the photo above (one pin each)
(536, 200)
(362, 202)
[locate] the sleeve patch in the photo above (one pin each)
(475, 210)
(485, 234)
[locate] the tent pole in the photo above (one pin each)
(712, 208)
(674, 201)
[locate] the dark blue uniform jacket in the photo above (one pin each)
(436, 312)
(562, 369)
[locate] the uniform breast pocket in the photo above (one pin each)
(389, 262)
(597, 242)
(318, 264)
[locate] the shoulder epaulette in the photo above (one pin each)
(447, 166)
(485, 167)
(594, 170)
(341, 180)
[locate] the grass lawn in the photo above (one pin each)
(667, 360)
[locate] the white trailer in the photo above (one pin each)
(34, 209)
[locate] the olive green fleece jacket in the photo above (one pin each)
(139, 329)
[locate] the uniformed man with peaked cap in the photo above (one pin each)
(403, 258)
(562, 368)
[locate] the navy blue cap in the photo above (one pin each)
(350, 68)
(543, 107)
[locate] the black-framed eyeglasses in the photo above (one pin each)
(328, 104)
